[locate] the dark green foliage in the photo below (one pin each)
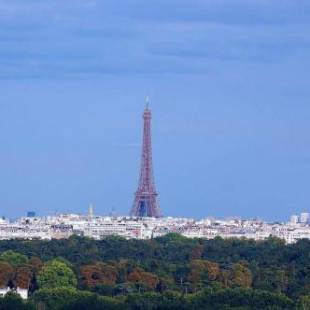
(13, 258)
(70, 298)
(55, 298)
(12, 301)
(150, 301)
(94, 302)
(236, 298)
(171, 272)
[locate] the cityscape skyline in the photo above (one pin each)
(230, 97)
(154, 154)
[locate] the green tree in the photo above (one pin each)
(154, 301)
(272, 279)
(13, 301)
(54, 298)
(13, 258)
(71, 298)
(239, 298)
(56, 274)
(95, 302)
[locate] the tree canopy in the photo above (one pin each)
(56, 273)
(171, 272)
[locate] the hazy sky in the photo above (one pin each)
(229, 82)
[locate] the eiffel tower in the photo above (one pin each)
(146, 200)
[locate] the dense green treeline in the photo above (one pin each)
(171, 272)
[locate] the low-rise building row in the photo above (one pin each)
(99, 227)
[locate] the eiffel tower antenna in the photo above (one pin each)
(147, 101)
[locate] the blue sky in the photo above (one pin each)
(229, 88)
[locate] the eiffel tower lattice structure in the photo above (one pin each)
(146, 198)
